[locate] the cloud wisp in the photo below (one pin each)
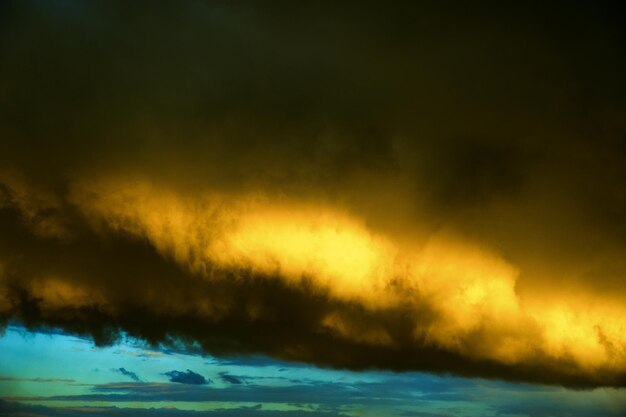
(127, 373)
(39, 379)
(231, 379)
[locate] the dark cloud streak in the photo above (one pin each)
(11, 409)
(127, 373)
(231, 379)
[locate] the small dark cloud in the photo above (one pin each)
(231, 379)
(127, 373)
(188, 377)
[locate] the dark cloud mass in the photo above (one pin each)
(408, 187)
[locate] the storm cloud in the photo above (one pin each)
(407, 188)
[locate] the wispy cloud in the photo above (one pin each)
(13, 409)
(408, 394)
(127, 373)
(231, 379)
(334, 395)
(24, 379)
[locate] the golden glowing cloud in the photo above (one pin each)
(471, 289)
(374, 200)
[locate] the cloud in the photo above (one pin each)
(188, 377)
(22, 379)
(447, 211)
(231, 379)
(24, 410)
(328, 395)
(127, 373)
(403, 393)
(254, 361)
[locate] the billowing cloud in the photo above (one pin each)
(355, 189)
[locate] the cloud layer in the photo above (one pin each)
(321, 185)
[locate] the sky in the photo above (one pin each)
(53, 374)
(383, 193)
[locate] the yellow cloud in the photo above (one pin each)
(472, 290)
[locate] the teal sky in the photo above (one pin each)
(53, 374)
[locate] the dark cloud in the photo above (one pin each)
(548, 407)
(127, 373)
(231, 379)
(20, 379)
(188, 377)
(419, 414)
(504, 125)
